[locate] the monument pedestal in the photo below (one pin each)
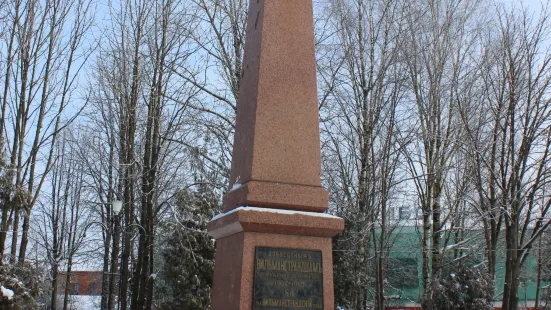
(277, 254)
(273, 259)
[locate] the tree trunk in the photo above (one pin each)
(512, 266)
(25, 235)
(13, 253)
(55, 273)
(125, 272)
(151, 282)
(380, 272)
(114, 263)
(128, 139)
(4, 227)
(538, 275)
(67, 284)
(105, 288)
(138, 284)
(426, 272)
(436, 227)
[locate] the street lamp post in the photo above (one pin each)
(117, 206)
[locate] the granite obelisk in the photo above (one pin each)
(273, 246)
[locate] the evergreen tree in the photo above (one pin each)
(23, 286)
(351, 266)
(187, 253)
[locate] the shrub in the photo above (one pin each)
(465, 288)
(26, 281)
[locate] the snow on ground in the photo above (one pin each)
(84, 302)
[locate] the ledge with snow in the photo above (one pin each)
(277, 221)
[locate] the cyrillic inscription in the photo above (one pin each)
(288, 279)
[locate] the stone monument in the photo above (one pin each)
(273, 247)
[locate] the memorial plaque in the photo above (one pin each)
(287, 279)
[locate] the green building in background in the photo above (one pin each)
(404, 263)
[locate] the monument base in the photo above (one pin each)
(278, 249)
(278, 196)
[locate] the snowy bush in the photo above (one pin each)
(21, 286)
(464, 288)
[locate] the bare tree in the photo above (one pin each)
(441, 36)
(219, 41)
(98, 155)
(62, 218)
(511, 140)
(148, 118)
(44, 43)
(361, 91)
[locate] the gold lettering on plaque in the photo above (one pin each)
(288, 279)
(288, 266)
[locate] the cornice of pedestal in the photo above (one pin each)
(277, 196)
(276, 221)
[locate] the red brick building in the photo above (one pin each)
(82, 283)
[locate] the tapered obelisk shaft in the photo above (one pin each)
(276, 154)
